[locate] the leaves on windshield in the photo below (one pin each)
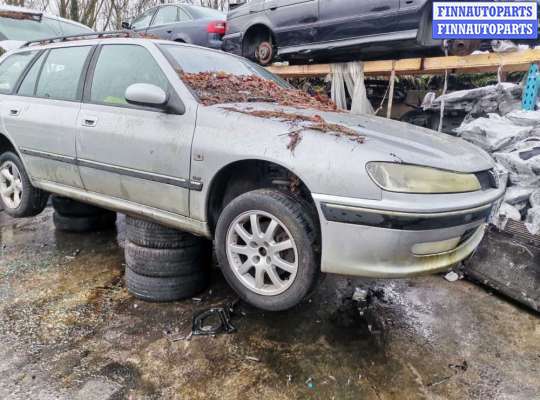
(218, 88)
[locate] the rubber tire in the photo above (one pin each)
(149, 234)
(157, 289)
(33, 200)
(296, 218)
(84, 224)
(72, 208)
(164, 262)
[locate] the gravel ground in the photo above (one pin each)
(70, 330)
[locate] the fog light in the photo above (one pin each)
(429, 248)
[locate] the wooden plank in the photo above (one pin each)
(488, 62)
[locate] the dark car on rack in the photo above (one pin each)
(183, 23)
(335, 30)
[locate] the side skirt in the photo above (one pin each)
(162, 217)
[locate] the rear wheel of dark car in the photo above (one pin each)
(259, 45)
(19, 198)
(265, 244)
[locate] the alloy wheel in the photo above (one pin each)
(11, 188)
(262, 253)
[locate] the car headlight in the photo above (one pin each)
(416, 179)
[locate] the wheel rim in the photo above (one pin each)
(11, 189)
(262, 253)
(264, 52)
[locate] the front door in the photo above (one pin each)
(350, 19)
(133, 153)
(42, 117)
(293, 21)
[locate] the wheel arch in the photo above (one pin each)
(245, 175)
(251, 33)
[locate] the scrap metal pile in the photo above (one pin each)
(496, 123)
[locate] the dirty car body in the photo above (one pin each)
(134, 138)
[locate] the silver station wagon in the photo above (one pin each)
(286, 191)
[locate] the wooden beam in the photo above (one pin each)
(486, 62)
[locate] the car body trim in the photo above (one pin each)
(166, 218)
(169, 180)
(403, 220)
(383, 37)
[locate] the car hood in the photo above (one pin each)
(394, 140)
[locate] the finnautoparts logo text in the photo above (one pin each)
(485, 20)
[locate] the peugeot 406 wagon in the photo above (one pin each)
(112, 123)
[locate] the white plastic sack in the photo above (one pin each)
(506, 212)
(532, 222)
(522, 162)
(492, 133)
(534, 200)
(524, 118)
(350, 75)
(517, 194)
(504, 46)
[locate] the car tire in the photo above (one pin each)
(72, 208)
(293, 225)
(19, 198)
(160, 289)
(84, 224)
(163, 263)
(149, 234)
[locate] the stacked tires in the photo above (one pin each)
(73, 216)
(164, 264)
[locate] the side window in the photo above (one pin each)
(120, 66)
(142, 21)
(28, 85)
(11, 68)
(72, 29)
(183, 16)
(166, 15)
(61, 73)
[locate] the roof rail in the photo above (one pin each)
(96, 35)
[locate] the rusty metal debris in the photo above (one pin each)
(213, 321)
(218, 88)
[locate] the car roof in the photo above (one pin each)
(46, 15)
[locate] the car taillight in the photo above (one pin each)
(218, 27)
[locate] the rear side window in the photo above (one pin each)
(166, 15)
(61, 73)
(72, 29)
(120, 66)
(143, 21)
(11, 68)
(28, 85)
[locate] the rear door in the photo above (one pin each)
(42, 117)
(350, 19)
(133, 153)
(293, 21)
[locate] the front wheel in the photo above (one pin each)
(19, 197)
(265, 244)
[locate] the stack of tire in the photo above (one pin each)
(73, 216)
(164, 264)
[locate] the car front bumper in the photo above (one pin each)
(369, 242)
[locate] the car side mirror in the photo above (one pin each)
(126, 25)
(144, 94)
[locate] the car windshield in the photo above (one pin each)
(193, 60)
(28, 29)
(217, 78)
(205, 12)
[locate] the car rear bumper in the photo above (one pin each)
(378, 243)
(233, 43)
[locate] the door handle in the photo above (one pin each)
(14, 112)
(89, 122)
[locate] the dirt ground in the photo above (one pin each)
(70, 330)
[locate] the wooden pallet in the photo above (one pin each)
(485, 62)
